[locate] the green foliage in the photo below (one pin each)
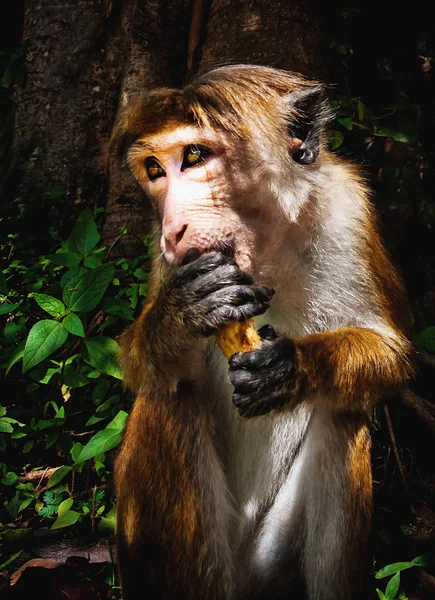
(393, 571)
(10, 560)
(62, 311)
(52, 501)
(426, 339)
(104, 440)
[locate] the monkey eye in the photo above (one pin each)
(154, 170)
(194, 155)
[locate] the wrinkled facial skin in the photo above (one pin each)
(208, 193)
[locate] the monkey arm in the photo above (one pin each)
(171, 543)
(348, 368)
(164, 346)
(353, 365)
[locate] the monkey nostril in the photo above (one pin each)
(180, 234)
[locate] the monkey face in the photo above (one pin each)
(207, 190)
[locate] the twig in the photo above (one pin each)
(94, 502)
(394, 446)
(396, 454)
(413, 400)
(33, 475)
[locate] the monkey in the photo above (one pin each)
(251, 478)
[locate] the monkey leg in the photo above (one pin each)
(310, 541)
(173, 509)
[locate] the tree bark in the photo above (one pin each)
(286, 35)
(87, 59)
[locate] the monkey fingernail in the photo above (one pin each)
(191, 255)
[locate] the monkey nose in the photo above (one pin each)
(173, 238)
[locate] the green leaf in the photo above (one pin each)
(9, 561)
(426, 338)
(93, 261)
(103, 352)
(12, 421)
(58, 476)
(52, 437)
(346, 122)
(76, 450)
(392, 587)
(25, 503)
(104, 440)
(16, 356)
(364, 114)
(66, 520)
(420, 561)
(49, 374)
(64, 507)
(100, 390)
(5, 427)
(8, 308)
(70, 274)
(380, 594)
(107, 525)
(84, 292)
(6, 79)
(93, 420)
(73, 378)
(18, 435)
(85, 234)
(336, 139)
(394, 134)
(44, 338)
(10, 478)
(73, 324)
(64, 259)
(52, 305)
(393, 569)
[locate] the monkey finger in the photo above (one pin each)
(233, 314)
(223, 276)
(200, 266)
(260, 403)
(238, 295)
(279, 376)
(281, 349)
(243, 380)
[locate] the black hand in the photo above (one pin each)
(211, 291)
(264, 379)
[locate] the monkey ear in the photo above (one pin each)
(305, 128)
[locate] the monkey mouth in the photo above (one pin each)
(226, 247)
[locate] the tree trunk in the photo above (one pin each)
(86, 59)
(286, 35)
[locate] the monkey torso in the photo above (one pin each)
(250, 478)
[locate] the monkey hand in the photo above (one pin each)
(211, 291)
(264, 379)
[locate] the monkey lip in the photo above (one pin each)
(226, 247)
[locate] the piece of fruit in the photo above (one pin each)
(238, 337)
